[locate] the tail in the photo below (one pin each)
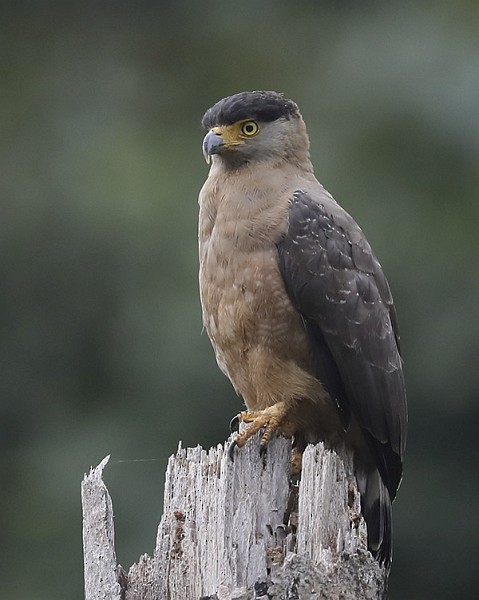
(376, 509)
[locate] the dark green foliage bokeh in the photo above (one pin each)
(101, 344)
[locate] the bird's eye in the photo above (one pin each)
(250, 128)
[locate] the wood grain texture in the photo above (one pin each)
(101, 580)
(228, 531)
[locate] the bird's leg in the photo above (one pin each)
(272, 419)
(296, 461)
(299, 447)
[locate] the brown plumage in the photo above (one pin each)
(295, 303)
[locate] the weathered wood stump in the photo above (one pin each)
(240, 530)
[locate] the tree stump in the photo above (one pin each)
(240, 530)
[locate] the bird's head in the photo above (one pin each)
(255, 126)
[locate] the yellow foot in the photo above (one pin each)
(273, 419)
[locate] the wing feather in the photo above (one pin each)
(336, 282)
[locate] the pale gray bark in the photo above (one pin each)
(228, 531)
(99, 557)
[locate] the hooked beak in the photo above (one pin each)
(212, 144)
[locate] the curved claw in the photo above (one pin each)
(231, 450)
(234, 423)
(263, 448)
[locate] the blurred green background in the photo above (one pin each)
(101, 344)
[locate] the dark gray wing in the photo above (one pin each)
(337, 284)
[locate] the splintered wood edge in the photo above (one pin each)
(99, 556)
(358, 575)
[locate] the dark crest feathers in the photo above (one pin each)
(261, 106)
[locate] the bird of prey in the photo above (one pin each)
(296, 305)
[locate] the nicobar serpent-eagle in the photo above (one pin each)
(296, 305)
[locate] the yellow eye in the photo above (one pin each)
(249, 128)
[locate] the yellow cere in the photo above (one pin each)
(234, 135)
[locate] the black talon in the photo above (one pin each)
(262, 450)
(234, 423)
(231, 450)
